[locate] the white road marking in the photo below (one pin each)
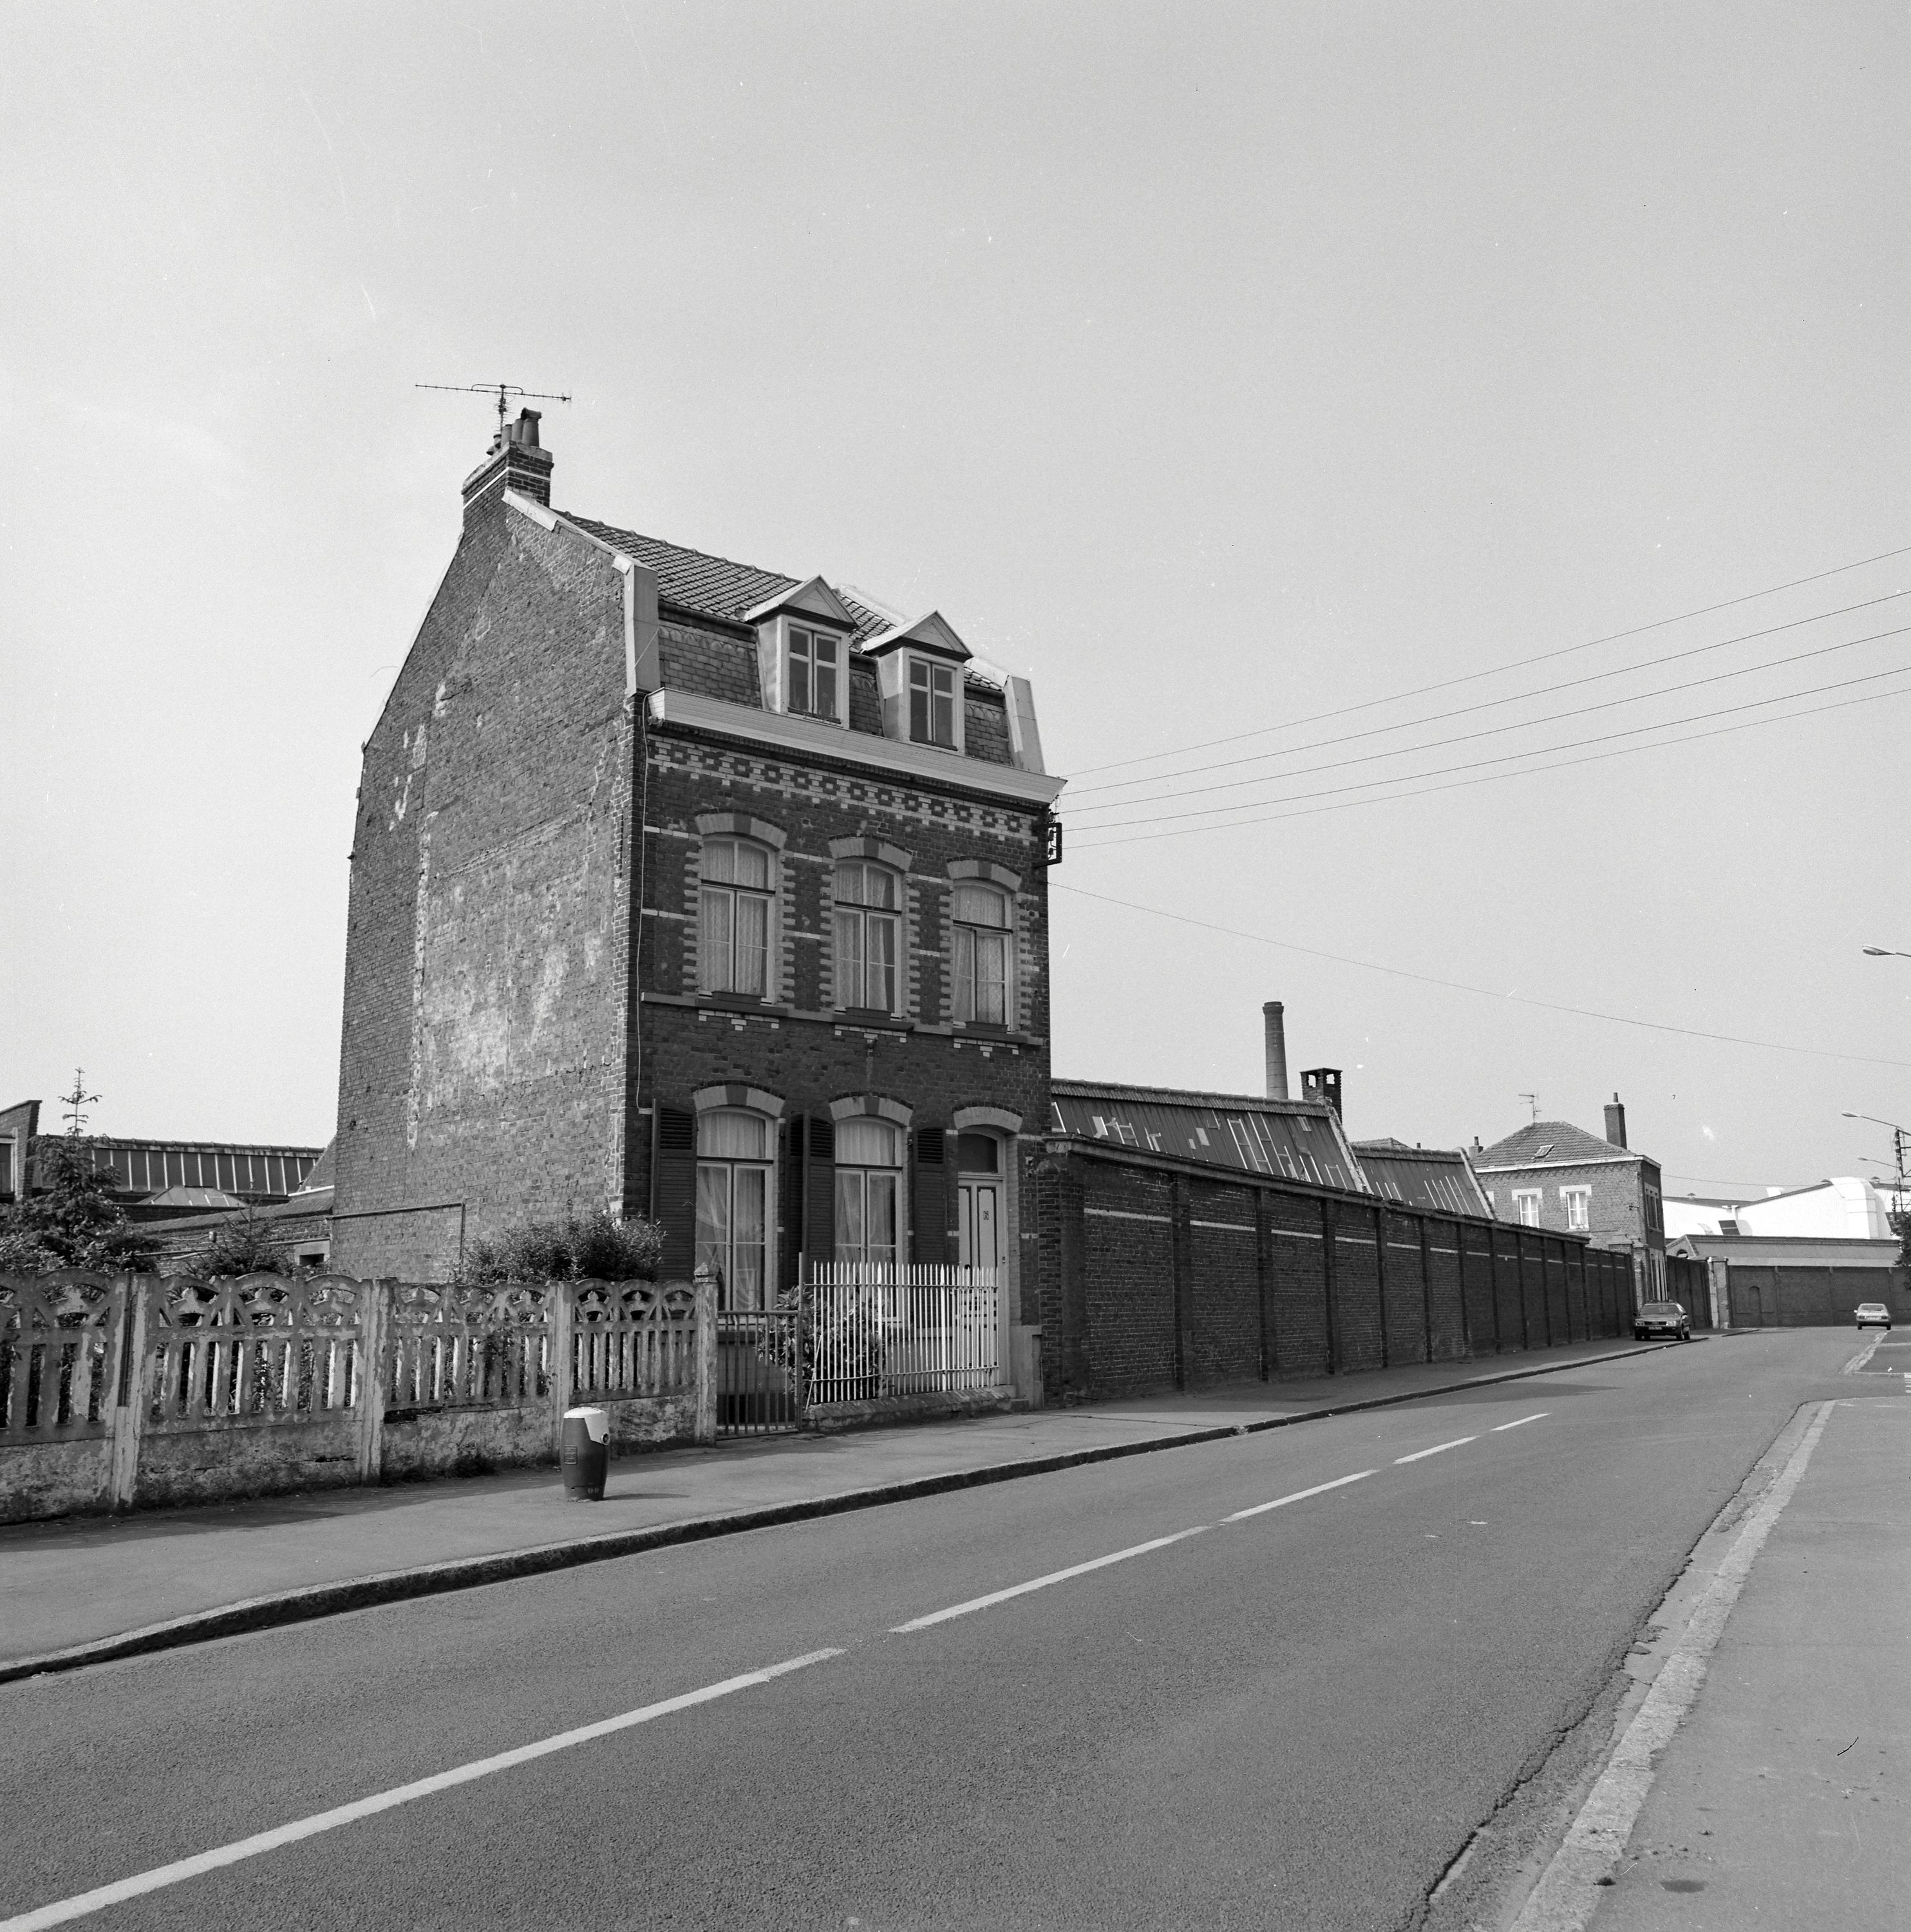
(1499, 1427)
(1569, 1890)
(1864, 1355)
(1022, 1589)
(1459, 1441)
(1299, 1496)
(97, 1900)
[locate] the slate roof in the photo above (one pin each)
(694, 582)
(716, 587)
(1569, 1147)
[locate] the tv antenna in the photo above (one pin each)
(505, 392)
(1532, 1101)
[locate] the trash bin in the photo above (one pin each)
(585, 1454)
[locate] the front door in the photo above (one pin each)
(978, 1201)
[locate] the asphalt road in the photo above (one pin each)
(1293, 1719)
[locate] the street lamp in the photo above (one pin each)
(1883, 953)
(1898, 1137)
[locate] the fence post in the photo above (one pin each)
(374, 1324)
(562, 1317)
(706, 1360)
(132, 1395)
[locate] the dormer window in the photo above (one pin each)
(815, 673)
(932, 703)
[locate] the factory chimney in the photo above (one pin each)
(1275, 1029)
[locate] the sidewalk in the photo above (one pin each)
(116, 1585)
(1783, 1800)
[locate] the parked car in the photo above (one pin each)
(1661, 1319)
(1873, 1314)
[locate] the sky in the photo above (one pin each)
(1223, 369)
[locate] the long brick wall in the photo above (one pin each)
(1153, 1275)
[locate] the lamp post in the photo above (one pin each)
(1883, 953)
(1898, 1136)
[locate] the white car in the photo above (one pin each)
(1873, 1314)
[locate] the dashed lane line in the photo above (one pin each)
(1420, 1455)
(1035, 1583)
(81, 1904)
(1855, 1366)
(1500, 1428)
(1299, 1496)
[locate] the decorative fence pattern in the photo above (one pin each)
(632, 1339)
(256, 1348)
(448, 1347)
(882, 1330)
(58, 1335)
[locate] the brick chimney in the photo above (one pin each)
(514, 461)
(1615, 1122)
(1323, 1083)
(1275, 1029)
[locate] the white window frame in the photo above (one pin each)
(931, 668)
(1522, 1197)
(812, 634)
(965, 937)
(717, 1173)
(856, 1178)
(857, 915)
(1582, 1198)
(707, 978)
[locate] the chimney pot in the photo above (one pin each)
(515, 460)
(1615, 1122)
(1275, 1029)
(1323, 1083)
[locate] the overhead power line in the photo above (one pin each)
(1496, 730)
(1485, 704)
(1495, 670)
(1459, 785)
(1484, 992)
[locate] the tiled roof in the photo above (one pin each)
(1566, 1146)
(694, 580)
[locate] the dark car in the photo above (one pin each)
(1663, 1319)
(1873, 1314)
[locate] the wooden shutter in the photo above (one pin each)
(928, 1200)
(673, 1190)
(792, 1203)
(819, 1189)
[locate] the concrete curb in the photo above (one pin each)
(467, 1573)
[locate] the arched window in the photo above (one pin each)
(733, 933)
(734, 1152)
(869, 928)
(869, 1160)
(980, 917)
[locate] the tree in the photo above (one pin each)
(70, 1219)
(244, 1245)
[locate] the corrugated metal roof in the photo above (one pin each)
(1291, 1139)
(1435, 1178)
(1788, 1250)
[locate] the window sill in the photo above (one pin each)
(740, 1002)
(875, 1016)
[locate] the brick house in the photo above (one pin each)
(685, 888)
(1553, 1174)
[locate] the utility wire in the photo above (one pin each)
(1492, 777)
(1494, 670)
(1485, 704)
(1489, 731)
(1484, 992)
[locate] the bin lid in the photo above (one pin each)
(596, 1421)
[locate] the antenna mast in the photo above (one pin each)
(505, 392)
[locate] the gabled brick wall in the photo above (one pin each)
(486, 963)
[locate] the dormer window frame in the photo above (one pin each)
(792, 626)
(813, 612)
(921, 670)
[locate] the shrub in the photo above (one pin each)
(70, 1219)
(595, 1247)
